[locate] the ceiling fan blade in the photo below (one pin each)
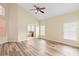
(43, 8)
(32, 9)
(35, 6)
(41, 11)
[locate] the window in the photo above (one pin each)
(70, 30)
(31, 27)
(42, 30)
(2, 11)
(39, 30)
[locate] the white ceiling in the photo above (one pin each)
(52, 9)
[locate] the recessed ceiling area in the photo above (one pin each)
(52, 9)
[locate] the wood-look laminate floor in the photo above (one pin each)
(37, 47)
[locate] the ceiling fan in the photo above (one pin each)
(38, 9)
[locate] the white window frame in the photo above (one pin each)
(2, 10)
(70, 30)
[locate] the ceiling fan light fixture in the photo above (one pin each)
(38, 9)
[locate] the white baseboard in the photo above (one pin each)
(67, 43)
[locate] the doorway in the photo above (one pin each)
(36, 30)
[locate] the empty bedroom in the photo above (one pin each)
(39, 29)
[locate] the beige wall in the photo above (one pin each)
(12, 23)
(54, 28)
(19, 18)
(24, 18)
(16, 23)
